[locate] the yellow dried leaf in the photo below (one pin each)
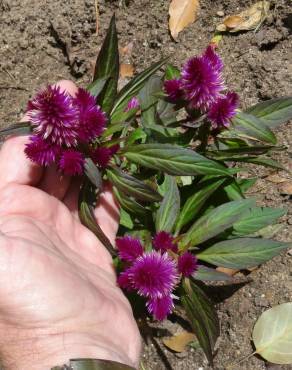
(232, 21)
(227, 271)
(181, 14)
(126, 70)
(248, 19)
(276, 179)
(96, 15)
(178, 342)
(286, 188)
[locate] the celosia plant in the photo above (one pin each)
(170, 145)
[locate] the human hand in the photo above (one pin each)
(58, 292)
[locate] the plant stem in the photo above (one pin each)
(229, 367)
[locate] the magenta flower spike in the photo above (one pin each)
(187, 264)
(124, 280)
(103, 155)
(54, 116)
(154, 274)
(91, 118)
(173, 89)
(133, 103)
(223, 109)
(160, 308)
(41, 152)
(202, 80)
(163, 241)
(72, 162)
(129, 248)
(214, 58)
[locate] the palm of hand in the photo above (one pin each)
(55, 277)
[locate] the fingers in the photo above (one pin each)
(54, 182)
(71, 198)
(107, 213)
(15, 167)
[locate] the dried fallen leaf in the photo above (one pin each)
(178, 342)
(181, 14)
(276, 179)
(96, 15)
(286, 188)
(248, 19)
(126, 63)
(126, 70)
(233, 21)
(227, 271)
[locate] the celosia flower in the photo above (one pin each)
(160, 307)
(187, 264)
(103, 155)
(54, 116)
(173, 89)
(153, 274)
(41, 152)
(223, 109)
(214, 58)
(133, 103)
(164, 241)
(91, 119)
(129, 248)
(124, 280)
(72, 162)
(202, 80)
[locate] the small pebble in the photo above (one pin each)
(220, 13)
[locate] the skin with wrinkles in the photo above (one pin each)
(58, 293)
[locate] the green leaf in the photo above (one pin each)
(196, 201)
(129, 204)
(273, 112)
(264, 161)
(165, 112)
(174, 160)
(96, 86)
(148, 100)
(125, 219)
(18, 129)
(204, 273)
(215, 222)
(137, 134)
(245, 184)
(171, 72)
(239, 152)
(272, 334)
(236, 189)
(255, 219)
(133, 87)
(169, 207)
(93, 364)
(202, 316)
(242, 253)
(132, 186)
(252, 127)
(87, 197)
(107, 66)
(92, 172)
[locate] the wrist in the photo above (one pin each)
(36, 351)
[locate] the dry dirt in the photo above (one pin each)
(44, 41)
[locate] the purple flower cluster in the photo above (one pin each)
(154, 274)
(62, 127)
(202, 86)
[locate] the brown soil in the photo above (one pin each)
(44, 41)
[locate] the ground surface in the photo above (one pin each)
(43, 41)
